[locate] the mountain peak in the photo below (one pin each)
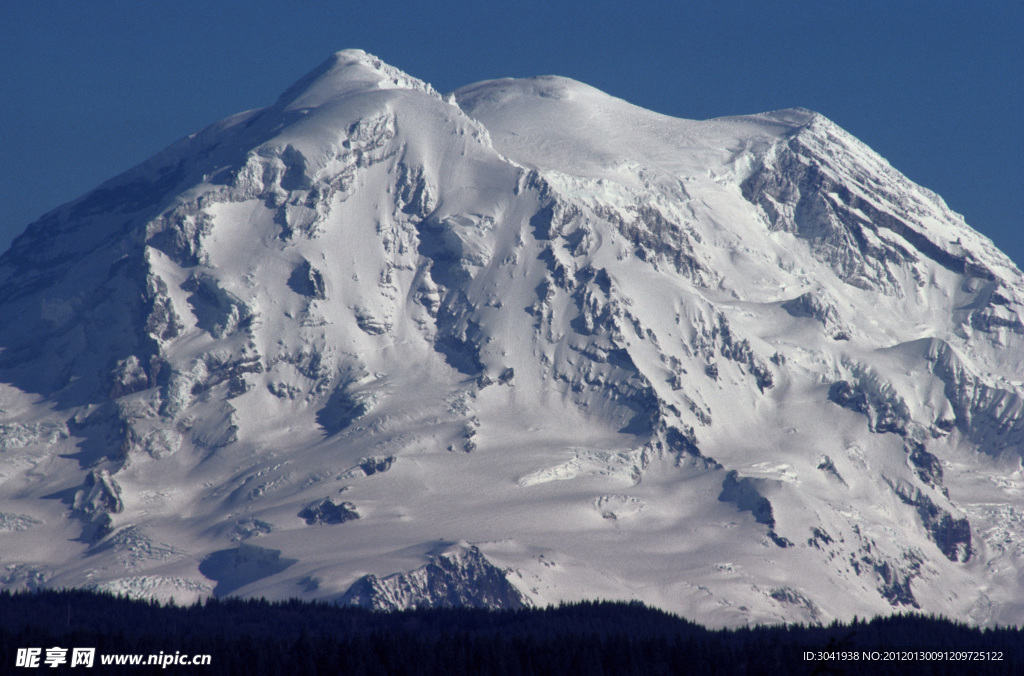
(345, 73)
(797, 117)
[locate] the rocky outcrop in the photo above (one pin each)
(739, 350)
(862, 224)
(990, 416)
(307, 281)
(99, 497)
(343, 408)
(818, 307)
(461, 577)
(369, 467)
(895, 581)
(951, 535)
(927, 467)
(329, 511)
(216, 310)
(884, 409)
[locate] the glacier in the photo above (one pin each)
(517, 344)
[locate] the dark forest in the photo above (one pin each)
(294, 637)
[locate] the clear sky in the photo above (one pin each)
(88, 89)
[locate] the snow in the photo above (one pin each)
(553, 324)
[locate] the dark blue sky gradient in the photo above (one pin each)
(88, 89)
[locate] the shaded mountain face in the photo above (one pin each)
(518, 344)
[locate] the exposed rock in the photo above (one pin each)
(100, 494)
(370, 323)
(249, 528)
(804, 186)
(343, 408)
(162, 322)
(952, 536)
(989, 416)
(791, 597)
(368, 467)
(329, 511)
(128, 376)
(307, 281)
(885, 411)
(463, 577)
(179, 234)
(657, 239)
(847, 396)
(895, 587)
(815, 306)
(681, 443)
(415, 195)
(217, 311)
(819, 537)
(926, 465)
(739, 350)
(826, 465)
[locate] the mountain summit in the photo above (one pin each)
(518, 344)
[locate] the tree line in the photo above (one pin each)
(246, 636)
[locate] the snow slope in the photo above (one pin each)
(518, 344)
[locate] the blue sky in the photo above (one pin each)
(88, 89)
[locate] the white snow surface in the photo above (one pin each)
(740, 369)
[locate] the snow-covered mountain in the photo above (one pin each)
(518, 344)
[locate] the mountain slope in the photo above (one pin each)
(384, 346)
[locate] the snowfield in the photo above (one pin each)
(514, 345)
